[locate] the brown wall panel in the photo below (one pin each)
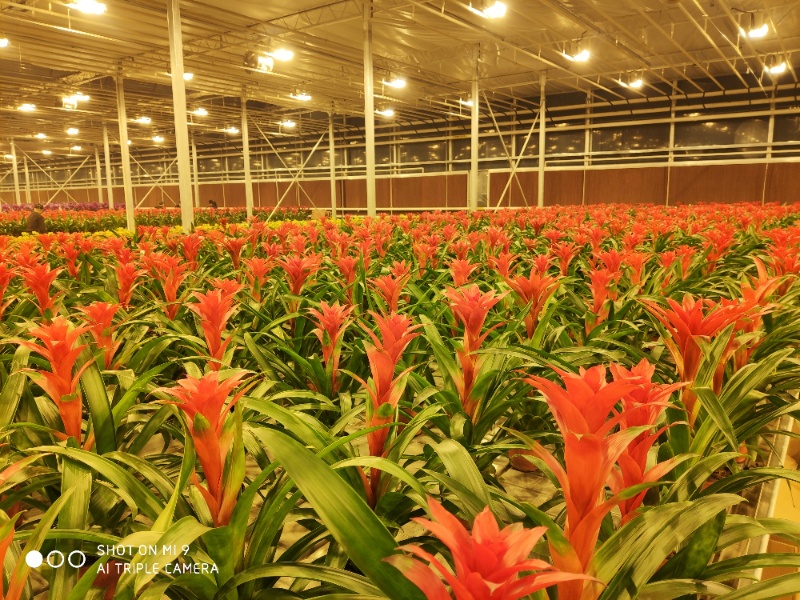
(626, 186)
(234, 194)
(419, 192)
(355, 193)
(783, 182)
(383, 193)
(457, 190)
(521, 190)
(716, 183)
(171, 194)
(561, 188)
(267, 193)
(211, 191)
(317, 194)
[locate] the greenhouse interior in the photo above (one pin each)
(400, 300)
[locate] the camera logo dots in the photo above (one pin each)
(55, 559)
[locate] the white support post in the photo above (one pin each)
(179, 112)
(671, 157)
(248, 180)
(99, 171)
(369, 110)
(109, 177)
(196, 175)
(542, 141)
(125, 155)
(474, 144)
(15, 172)
(27, 179)
(332, 164)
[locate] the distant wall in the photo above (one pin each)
(678, 184)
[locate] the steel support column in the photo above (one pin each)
(109, 176)
(196, 174)
(15, 172)
(99, 171)
(125, 155)
(248, 180)
(179, 111)
(542, 139)
(369, 110)
(474, 144)
(27, 180)
(332, 163)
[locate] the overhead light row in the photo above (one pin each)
(89, 7)
(488, 9)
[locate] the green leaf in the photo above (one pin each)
(14, 385)
(462, 468)
(94, 392)
(717, 413)
(337, 577)
(675, 588)
(776, 587)
(350, 521)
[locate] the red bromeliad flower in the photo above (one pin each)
(601, 286)
(257, 271)
(331, 321)
(190, 247)
(487, 564)
(71, 252)
(686, 324)
(503, 263)
(565, 252)
(6, 275)
(461, 270)
(61, 349)
(127, 275)
(234, 247)
(533, 292)
(214, 309)
(636, 262)
(348, 267)
(390, 288)
(208, 408)
(99, 319)
(470, 307)
(642, 406)
(170, 272)
(298, 269)
(396, 333)
(39, 278)
(590, 453)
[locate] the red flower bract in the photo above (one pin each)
(61, 349)
(487, 564)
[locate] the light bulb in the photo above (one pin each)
(90, 7)
(40, 136)
(386, 112)
(3, 42)
(232, 130)
(494, 11)
(395, 82)
(288, 123)
(47, 152)
(302, 96)
(72, 131)
(76, 148)
(27, 107)
(158, 139)
(282, 54)
(143, 120)
(200, 112)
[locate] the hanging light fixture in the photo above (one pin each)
(76, 148)
(27, 107)
(157, 139)
(756, 26)
(301, 96)
(394, 81)
(90, 7)
(231, 130)
(775, 65)
(47, 152)
(575, 52)
(288, 123)
(143, 120)
(467, 102)
(41, 136)
(634, 81)
(73, 131)
(3, 42)
(200, 112)
(385, 112)
(488, 9)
